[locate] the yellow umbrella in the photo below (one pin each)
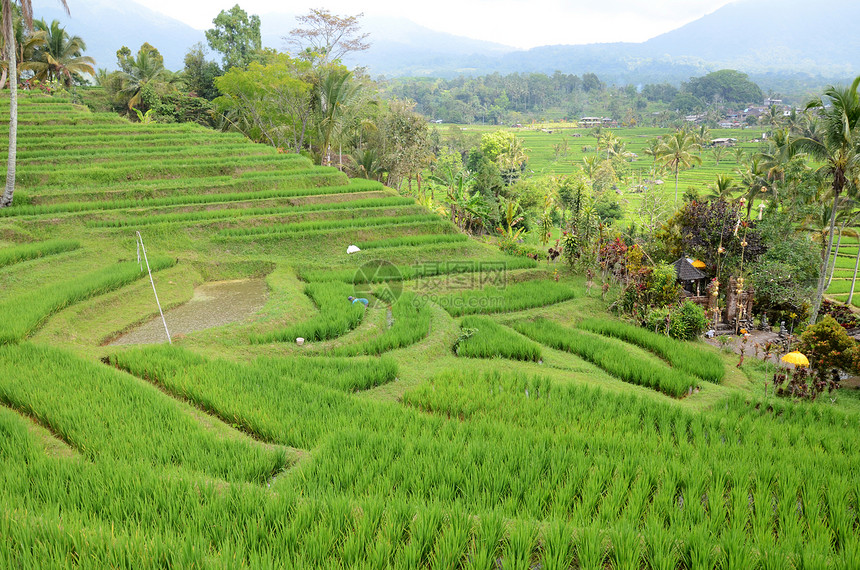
(795, 358)
(699, 264)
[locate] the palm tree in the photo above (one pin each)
(676, 153)
(25, 43)
(60, 57)
(717, 152)
(835, 143)
(11, 56)
(754, 180)
(144, 69)
(848, 216)
(776, 159)
(722, 188)
(332, 97)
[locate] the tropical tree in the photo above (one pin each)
(834, 142)
(334, 95)
(326, 36)
(723, 187)
(236, 36)
(26, 42)
(754, 181)
(676, 152)
(145, 69)
(60, 57)
(269, 103)
(7, 12)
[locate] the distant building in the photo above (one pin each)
(723, 141)
(588, 122)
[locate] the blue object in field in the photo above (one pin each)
(360, 300)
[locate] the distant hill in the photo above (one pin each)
(107, 25)
(400, 46)
(768, 39)
(771, 35)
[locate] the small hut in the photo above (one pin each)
(689, 276)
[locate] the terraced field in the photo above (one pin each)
(477, 414)
(541, 145)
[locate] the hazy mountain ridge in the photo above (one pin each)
(760, 37)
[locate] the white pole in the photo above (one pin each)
(142, 247)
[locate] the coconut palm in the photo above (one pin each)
(143, 69)
(717, 152)
(7, 13)
(846, 216)
(333, 95)
(60, 57)
(26, 43)
(754, 181)
(834, 141)
(777, 158)
(722, 188)
(676, 152)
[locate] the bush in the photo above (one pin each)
(827, 346)
(684, 323)
(841, 313)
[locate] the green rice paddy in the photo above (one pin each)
(481, 412)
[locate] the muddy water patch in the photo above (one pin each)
(213, 305)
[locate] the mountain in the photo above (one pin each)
(398, 46)
(765, 38)
(107, 25)
(766, 35)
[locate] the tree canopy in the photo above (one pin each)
(236, 36)
(725, 86)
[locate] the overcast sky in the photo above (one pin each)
(517, 23)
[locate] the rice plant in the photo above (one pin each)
(362, 222)
(421, 239)
(18, 253)
(608, 356)
(106, 414)
(22, 314)
(183, 199)
(337, 316)
(410, 322)
(235, 213)
(681, 355)
(515, 297)
(485, 338)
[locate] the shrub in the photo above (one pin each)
(827, 346)
(683, 323)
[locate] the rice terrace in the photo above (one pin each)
(295, 324)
